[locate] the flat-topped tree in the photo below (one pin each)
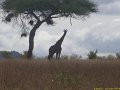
(39, 11)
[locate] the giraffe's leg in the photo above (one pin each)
(56, 55)
(59, 55)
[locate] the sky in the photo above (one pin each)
(100, 31)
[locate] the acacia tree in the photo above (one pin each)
(36, 12)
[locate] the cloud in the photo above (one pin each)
(116, 20)
(104, 1)
(96, 25)
(110, 8)
(10, 38)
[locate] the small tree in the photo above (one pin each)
(118, 55)
(36, 12)
(92, 54)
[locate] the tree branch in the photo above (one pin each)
(32, 13)
(43, 13)
(54, 17)
(49, 17)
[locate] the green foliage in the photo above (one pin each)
(78, 7)
(10, 55)
(92, 54)
(6, 54)
(43, 8)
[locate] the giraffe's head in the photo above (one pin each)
(65, 30)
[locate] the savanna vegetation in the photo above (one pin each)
(69, 73)
(59, 75)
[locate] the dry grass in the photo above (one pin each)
(59, 75)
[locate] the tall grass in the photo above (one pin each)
(59, 75)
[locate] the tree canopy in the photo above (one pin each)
(40, 11)
(61, 7)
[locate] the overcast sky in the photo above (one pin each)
(100, 31)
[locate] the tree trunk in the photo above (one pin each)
(32, 33)
(31, 39)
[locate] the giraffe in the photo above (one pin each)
(56, 48)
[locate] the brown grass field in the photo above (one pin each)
(59, 75)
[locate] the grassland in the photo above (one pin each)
(59, 75)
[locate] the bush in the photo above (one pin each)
(118, 55)
(92, 54)
(24, 55)
(6, 54)
(111, 57)
(75, 57)
(64, 57)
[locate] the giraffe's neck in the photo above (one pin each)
(59, 42)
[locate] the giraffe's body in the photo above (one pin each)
(56, 49)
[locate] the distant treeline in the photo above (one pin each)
(11, 54)
(90, 55)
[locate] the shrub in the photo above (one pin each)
(24, 55)
(64, 57)
(6, 54)
(75, 57)
(111, 57)
(92, 54)
(118, 55)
